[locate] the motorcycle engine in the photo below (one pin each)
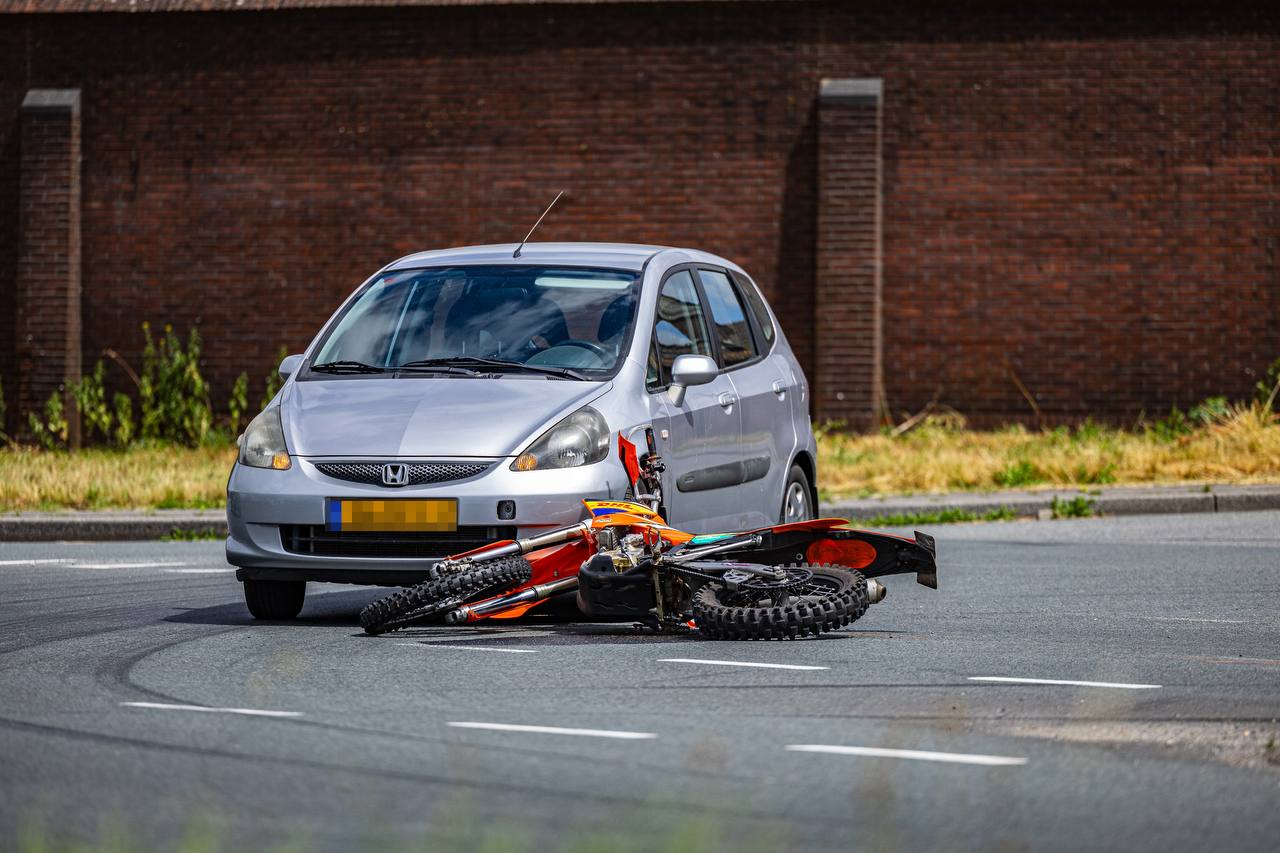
(617, 581)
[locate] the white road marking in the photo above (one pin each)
(473, 634)
(79, 565)
(556, 730)
(740, 663)
(327, 589)
(1120, 685)
(249, 712)
(471, 648)
(34, 562)
(196, 571)
(910, 754)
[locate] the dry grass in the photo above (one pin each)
(1243, 446)
(144, 478)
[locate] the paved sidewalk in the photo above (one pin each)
(78, 525)
(1112, 500)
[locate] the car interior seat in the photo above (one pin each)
(481, 323)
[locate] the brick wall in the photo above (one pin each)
(848, 361)
(12, 92)
(1090, 197)
(1086, 198)
(46, 323)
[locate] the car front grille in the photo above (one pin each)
(419, 473)
(317, 540)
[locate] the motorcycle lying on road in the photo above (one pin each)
(626, 563)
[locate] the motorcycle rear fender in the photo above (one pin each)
(827, 540)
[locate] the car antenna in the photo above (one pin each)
(516, 253)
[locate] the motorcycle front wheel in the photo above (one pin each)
(819, 599)
(432, 599)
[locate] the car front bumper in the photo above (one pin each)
(261, 501)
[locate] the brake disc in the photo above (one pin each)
(745, 586)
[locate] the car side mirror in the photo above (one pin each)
(290, 365)
(690, 370)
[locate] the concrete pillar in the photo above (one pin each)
(47, 319)
(847, 300)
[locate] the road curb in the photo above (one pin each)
(89, 526)
(108, 526)
(1108, 501)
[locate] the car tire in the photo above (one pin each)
(275, 600)
(797, 498)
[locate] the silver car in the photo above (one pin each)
(468, 395)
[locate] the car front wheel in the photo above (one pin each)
(796, 502)
(276, 600)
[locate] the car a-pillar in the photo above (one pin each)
(848, 364)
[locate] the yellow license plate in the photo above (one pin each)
(404, 515)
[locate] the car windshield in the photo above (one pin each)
(573, 320)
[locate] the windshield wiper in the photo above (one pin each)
(432, 365)
(347, 367)
(563, 372)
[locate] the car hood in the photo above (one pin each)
(425, 416)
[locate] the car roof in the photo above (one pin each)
(622, 256)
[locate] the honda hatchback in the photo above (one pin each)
(474, 394)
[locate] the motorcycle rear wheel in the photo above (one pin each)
(431, 599)
(831, 599)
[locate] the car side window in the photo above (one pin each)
(758, 309)
(729, 317)
(679, 328)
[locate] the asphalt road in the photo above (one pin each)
(105, 649)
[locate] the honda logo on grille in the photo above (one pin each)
(395, 474)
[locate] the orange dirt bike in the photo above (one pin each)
(626, 563)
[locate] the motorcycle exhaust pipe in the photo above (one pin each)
(554, 537)
(533, 543)
(470, 612)
(876, 591)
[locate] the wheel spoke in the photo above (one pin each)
(796, 505)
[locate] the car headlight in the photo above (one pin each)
(580, 439)
(262, 445)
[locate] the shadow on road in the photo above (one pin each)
(558, 622)
(321, 609)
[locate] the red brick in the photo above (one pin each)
(46, 322)
(1085, 193)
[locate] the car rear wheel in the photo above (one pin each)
(278, 600)
(812, 600)
(797, 503)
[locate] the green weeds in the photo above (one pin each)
(1077, 507)
(945, 516)
(171, 401)
(187, 534)
(1016, 474)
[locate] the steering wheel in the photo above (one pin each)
(595, 352)
(595, 349)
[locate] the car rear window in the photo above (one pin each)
(758, 308)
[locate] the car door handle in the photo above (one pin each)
(727, 399)
(780, 388)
